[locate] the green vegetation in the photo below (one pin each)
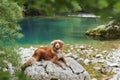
(103, 8)
(48, 7)
(107, 9)
(109, 31)
(10, 14)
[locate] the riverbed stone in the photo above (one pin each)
(99, 56)
(87, 61)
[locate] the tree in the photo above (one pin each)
(48, 7)
(107, 9)
(10, 14)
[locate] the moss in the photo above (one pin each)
(104, 32)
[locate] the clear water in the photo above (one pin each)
(42, 30)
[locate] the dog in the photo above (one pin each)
(53, 53)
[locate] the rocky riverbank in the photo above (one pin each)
(104, 62)
(100, 64)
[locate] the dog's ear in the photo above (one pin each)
(61, 42)
(52, 42)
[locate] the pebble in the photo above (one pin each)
(98, 69)
(94, 79)
(75, 56)
(87, 61)
(82, 47)
(99, 56)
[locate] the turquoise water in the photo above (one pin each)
(42, 30)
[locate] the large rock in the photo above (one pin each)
(105, 32)
(49, 71)
(46, 70)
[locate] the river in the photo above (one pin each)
(42, 30)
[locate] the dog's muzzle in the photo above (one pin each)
(57, 46)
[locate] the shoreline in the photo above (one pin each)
(90, 57)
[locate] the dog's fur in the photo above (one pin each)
(53, 54)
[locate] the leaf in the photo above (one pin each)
(102, 4)
(117, 7)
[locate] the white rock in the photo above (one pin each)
(105, 51)
(68, 55)
(98, 69)
(52, 71)
(87, 61)
(116, 70)
(112, 64)
(82, 47)
(99, 56)
(75, 56)
(94, 79)
(116, 77)
(80, 60)
(5, 69)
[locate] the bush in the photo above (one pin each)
(10, 14)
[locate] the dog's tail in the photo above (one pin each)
(23, 67)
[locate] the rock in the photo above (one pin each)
(98, 69)
(47, 71)
(94, 79)
(87, 61)
(116, 70)
(116, 77)
(9, 67)
(76, 56)
(108, 31)
(113, 64)
(80, 60)
(82, 47)
(106, 69)
(99, 56)
(69, 55)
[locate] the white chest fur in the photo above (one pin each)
(59, 54)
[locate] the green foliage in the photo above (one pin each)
(107, 9)
(4, 76)
(10, 14)
(9, 55)
(48, 7)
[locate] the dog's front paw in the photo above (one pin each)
(67, 65)
(63, 67)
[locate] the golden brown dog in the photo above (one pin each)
(53, 53)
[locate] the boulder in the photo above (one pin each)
(105, 32)
(49, 71)
(46, 70)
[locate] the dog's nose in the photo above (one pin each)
(57, 45)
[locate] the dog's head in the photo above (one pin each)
(57, 44)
